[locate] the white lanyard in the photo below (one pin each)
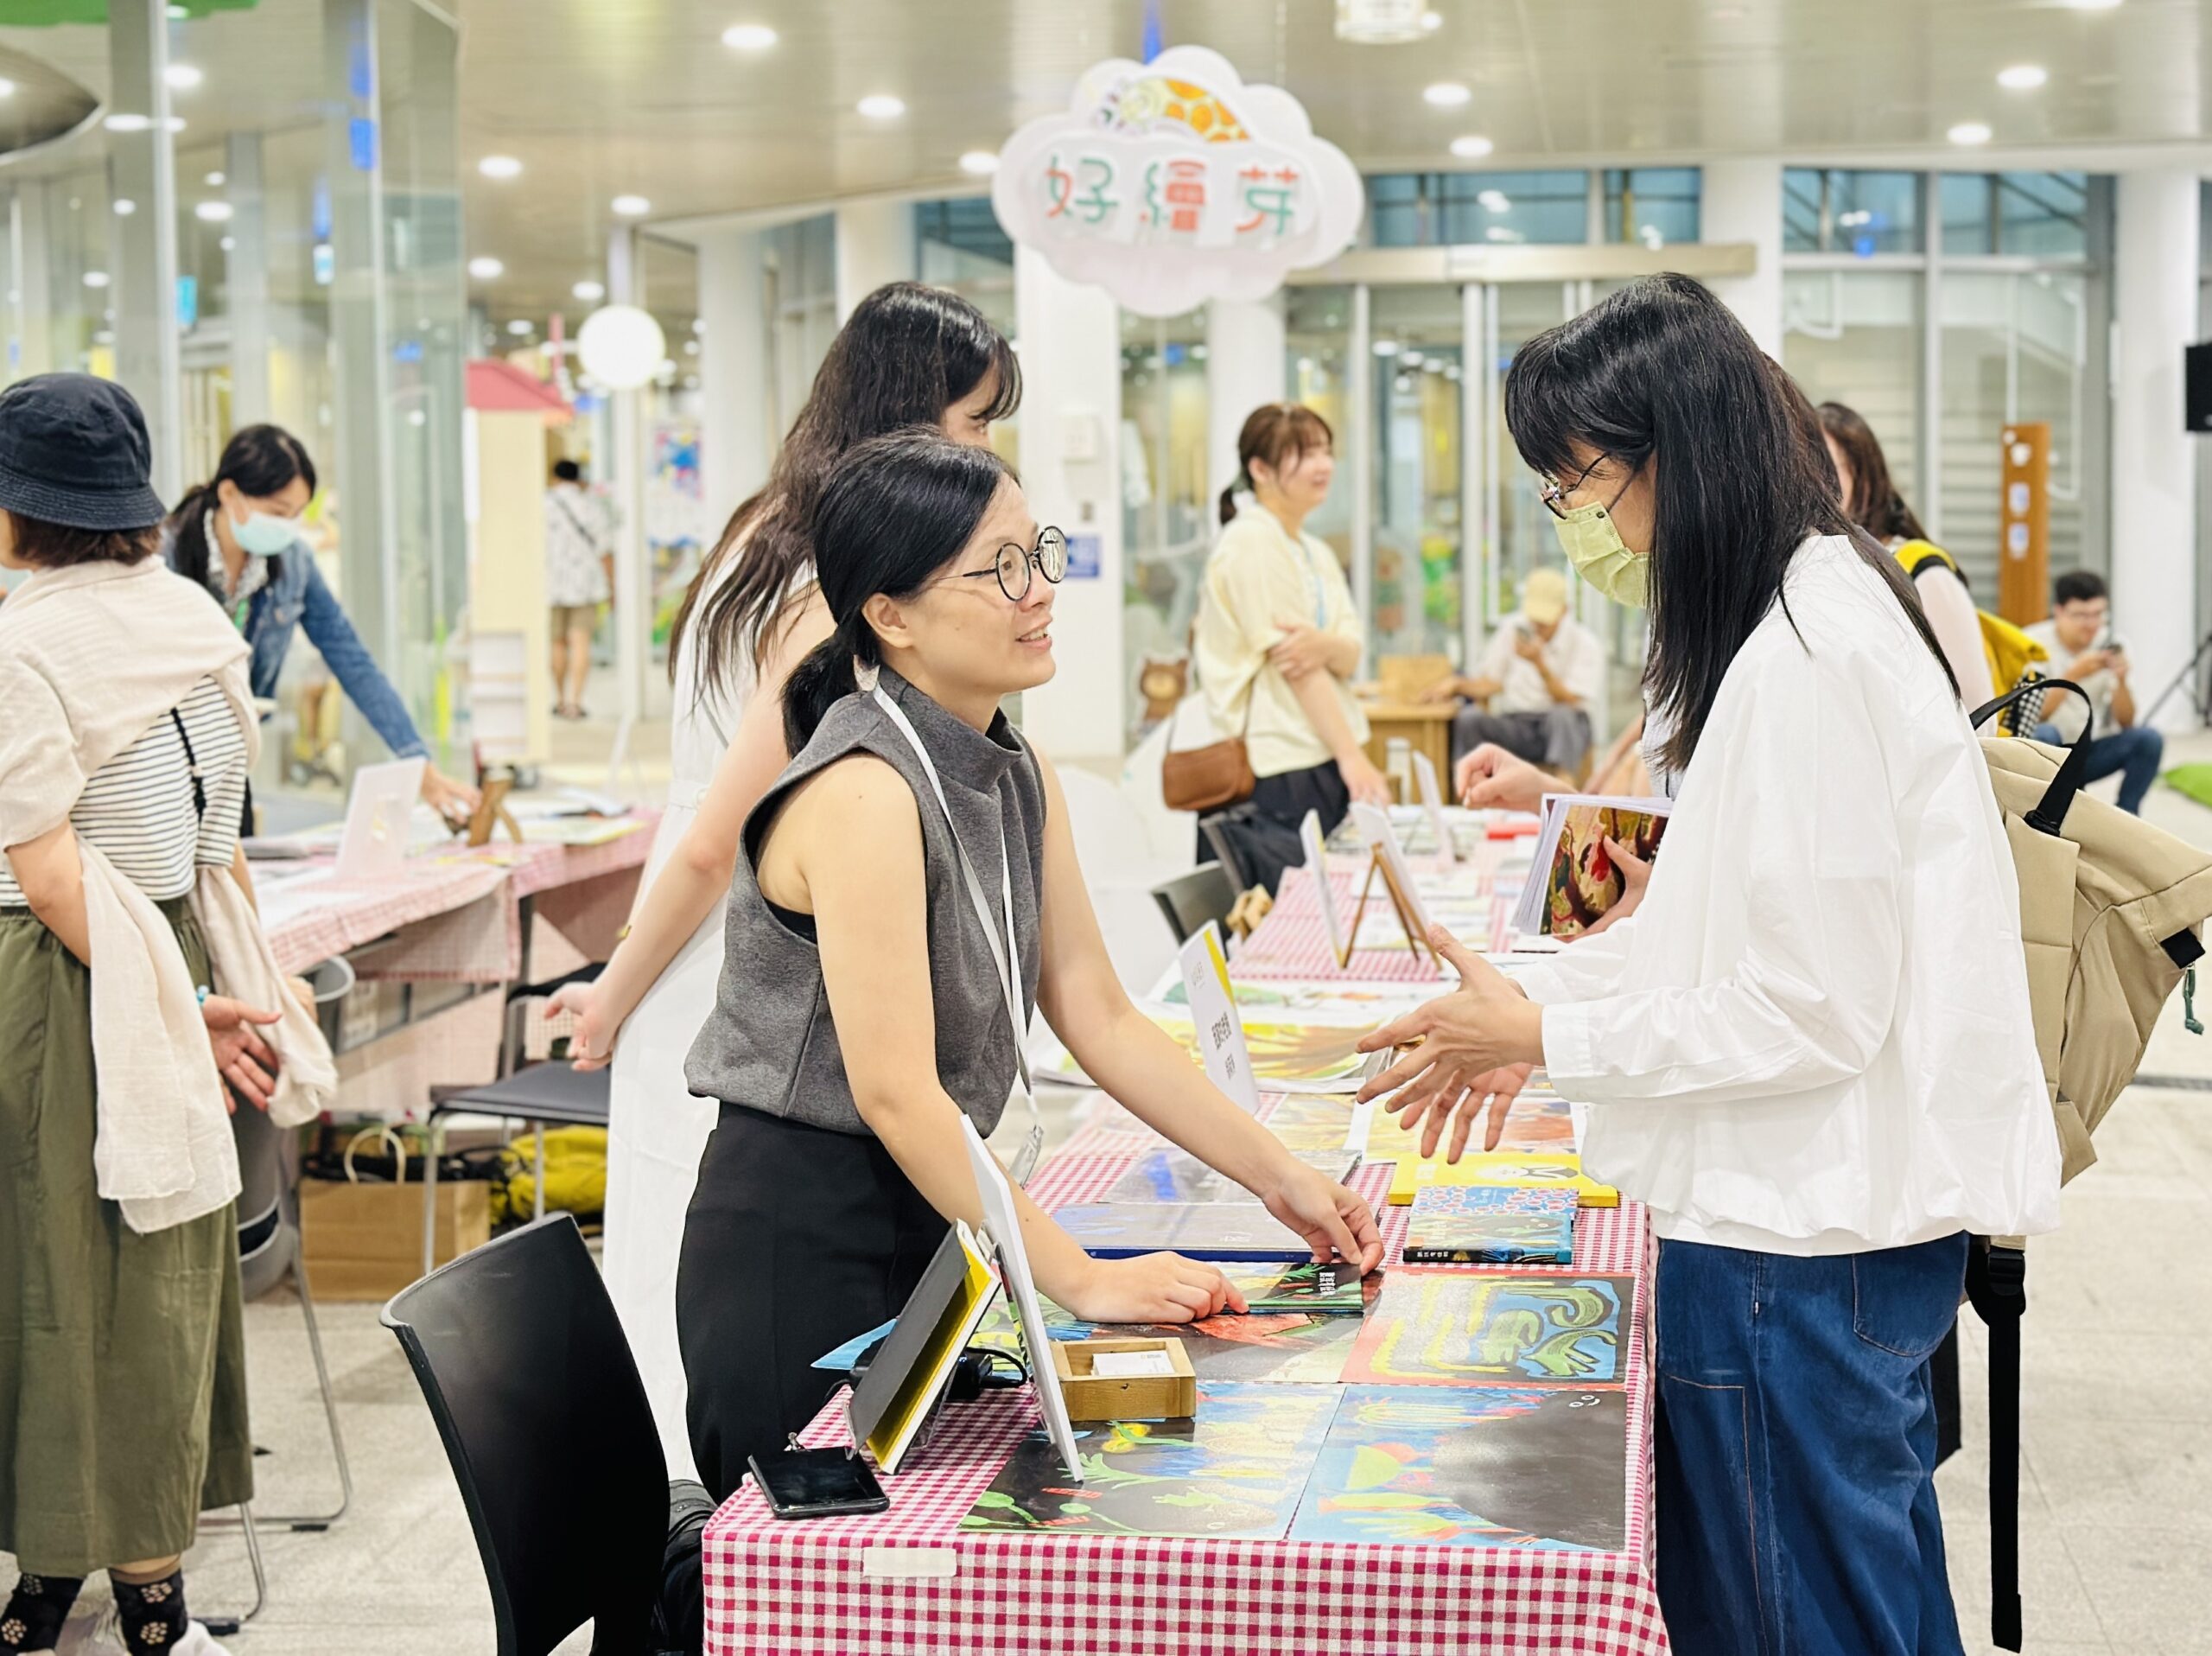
(1009, 961)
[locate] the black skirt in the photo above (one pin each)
(797, 1238)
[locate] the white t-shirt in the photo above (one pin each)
(1572, 654)
(2066, 712)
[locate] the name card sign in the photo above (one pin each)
(1431, 799)
(1213, 1015)
(1171, 182)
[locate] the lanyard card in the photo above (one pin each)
(1213, 1018)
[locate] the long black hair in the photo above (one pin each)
(1875, 505)
(893, 512)
(907, 354)
(262, 461)
(1661, 373)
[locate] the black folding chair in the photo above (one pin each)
(554, 1092)
(1189, 900)
(536, 1396)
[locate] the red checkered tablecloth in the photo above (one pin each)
(1294, 942)
(912, 1580)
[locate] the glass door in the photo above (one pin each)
(1416, 592)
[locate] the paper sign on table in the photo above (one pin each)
(1375, 829)
(1213, 1015)
(374, 842)
(1431, 799)
(1316, 864)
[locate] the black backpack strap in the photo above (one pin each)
(1997, 1283)
(2050, 815)
(1934, 560)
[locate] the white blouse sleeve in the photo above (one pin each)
(1810, 1000)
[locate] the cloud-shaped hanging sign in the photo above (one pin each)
(1171, 182)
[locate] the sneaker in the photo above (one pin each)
(104, 1638)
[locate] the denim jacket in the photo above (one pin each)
(296, 595)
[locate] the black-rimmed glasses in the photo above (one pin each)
(1553, 493)
(1049, 558)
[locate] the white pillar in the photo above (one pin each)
(736, 443)
(1070, 336)
(1244, 368)
(875, 244)
(247, 273)
(143, 164)
(1743, 202)
(2154, 456)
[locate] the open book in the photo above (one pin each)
(1572, 879)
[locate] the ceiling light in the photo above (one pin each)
(590, 292)
(2022, 76)
(1386, 347)
(1378, 22)
(1727, 14)
(182, 76)
(230, 244)
(1504, 232)
(520, 328)
(1494, 201)
(214, 180)
(699, 325)
(1472, 147)
(95, 278)
(127, 123)
(499, 167)
(1411, 359)
(1969, 133)
(1431, 22)
(1448, 95)
(174, 124)
(7, 88)
(620, 346)
(179, 14)
(2093, 5)
(691, 347)
(124, 207)
(484, 268)
(213, 212)
(748, 37)
(882, 106)
(979, 163)
(631, 206)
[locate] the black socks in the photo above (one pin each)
(35, 1612)
(152, 1613)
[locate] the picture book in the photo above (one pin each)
(1309, 1287)
(1313, 1125)
(1539, 1120)
(1289, 1348)
(1198, 1230)
(1491, 1224)
(1560, 1170)
(1572, 880)
(1451, 1328)
(1177, 1176)
(916, 1359)
(1002, 1230)
(1477, 1465)
(1236, 1470)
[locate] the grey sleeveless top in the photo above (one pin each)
(770, 1043)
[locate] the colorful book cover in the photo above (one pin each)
(1455, 1328)
(1309, 1125)
(1285, 1349)
(1575, 879)
(1539, 1120)
(1561, 1171)
(1200, 1230)
(1235, 1471)
(1179, 1176)
(1478, 1466)
(1309, 1287)
(1491, 1224)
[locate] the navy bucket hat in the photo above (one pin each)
(73, 450)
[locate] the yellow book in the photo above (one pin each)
(1502, 1168)
(916, 1359)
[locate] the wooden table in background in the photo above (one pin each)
(1426, 725)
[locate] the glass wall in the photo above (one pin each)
(1653, 205)
(1453, 209)
(1169, 512)
(1415, 591)
(1854, 336)
(1316, 372)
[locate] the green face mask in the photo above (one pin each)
(1594, 547)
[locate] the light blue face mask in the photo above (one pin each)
(264, 536)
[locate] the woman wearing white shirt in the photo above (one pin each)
(1809, 1052)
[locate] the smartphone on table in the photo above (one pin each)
(818, 1483)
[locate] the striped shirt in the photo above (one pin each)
(138, 807)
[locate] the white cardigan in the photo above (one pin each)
(1814, 1037)
(91, 657)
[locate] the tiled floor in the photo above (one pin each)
(2116, 1525)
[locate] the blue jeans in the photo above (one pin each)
(1796, 1450)
(2134, 752)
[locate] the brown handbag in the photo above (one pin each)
(1208, 778)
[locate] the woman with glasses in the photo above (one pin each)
(1278, 640)
(909, 355)
(905, 893)
(1809, 1052)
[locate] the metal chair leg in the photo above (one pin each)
(430, 1195)
(538, 1139)
(223, 1626)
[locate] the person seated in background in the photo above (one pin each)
(1531, 691)
(2082, 649)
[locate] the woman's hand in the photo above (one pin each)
(1362, 781)
(1635, 876)
(243, 1059)
(1492, 779)
(1331, 1218)
(454, 801)
(1302, 649)
(1153, 1288)
(591, 1043)
(1485, 1024)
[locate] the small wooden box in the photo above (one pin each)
(1146, 1397)
(365, 1241)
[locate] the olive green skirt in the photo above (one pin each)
(123, 1411)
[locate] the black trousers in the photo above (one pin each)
(1265, 829)
(797, 1238)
